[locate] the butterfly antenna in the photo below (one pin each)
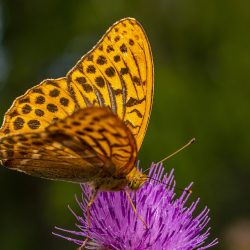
(177, 151)
(166, 158)
(180, 189)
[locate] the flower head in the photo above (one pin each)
(114, 225)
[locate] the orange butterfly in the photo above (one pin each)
(89, 125)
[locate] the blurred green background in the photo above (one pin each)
(201, 52)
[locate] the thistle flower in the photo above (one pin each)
(114, 225)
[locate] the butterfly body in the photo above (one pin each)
(133, 181)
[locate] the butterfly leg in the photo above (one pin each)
(135, 211)
(88, 217)
(134, 199)
(89, 206)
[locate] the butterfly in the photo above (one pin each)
(89, 125)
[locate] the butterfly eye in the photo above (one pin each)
(133, 184)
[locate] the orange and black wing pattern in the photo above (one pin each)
(39, 107)
(118, 73)
(90, 144)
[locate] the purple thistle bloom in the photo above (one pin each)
(114, 225)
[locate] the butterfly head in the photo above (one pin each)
(136, 179)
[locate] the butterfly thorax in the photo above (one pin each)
(110, 183)
(134, 180)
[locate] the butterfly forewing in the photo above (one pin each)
(39, 107)
(118, 73)
(90, 144)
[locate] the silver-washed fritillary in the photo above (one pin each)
(89, 125)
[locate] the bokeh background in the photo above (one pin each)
(202, 89)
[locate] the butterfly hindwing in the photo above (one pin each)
(38, 154)
(102, 131)
(90, 144)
